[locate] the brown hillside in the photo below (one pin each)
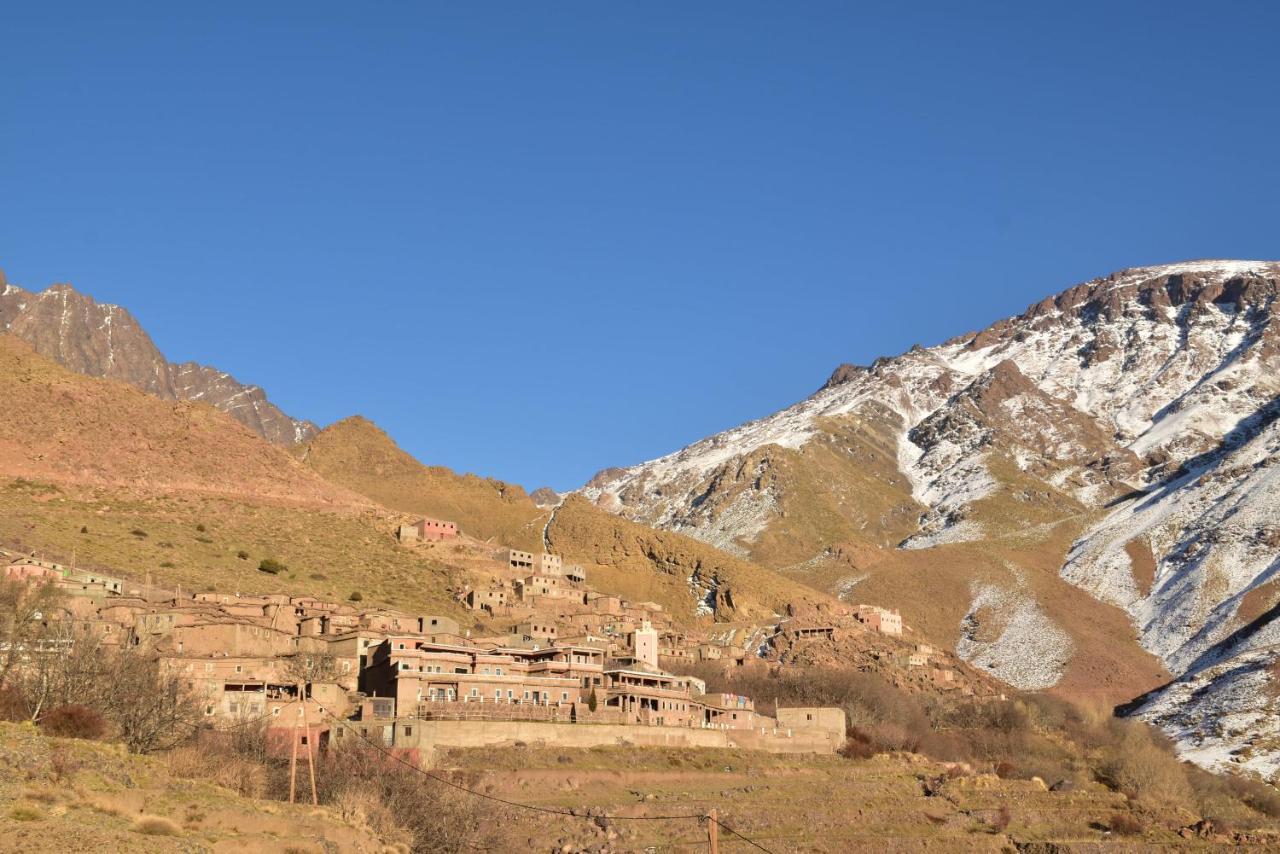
(628, 558)
(69, 428)
(355, 453)
(647, 564)
(96, 471)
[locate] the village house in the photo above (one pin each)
(881, 620)
(548, 564)
(729, 711)
(435, 529)
(516, 559)
(535, 630)
(493, 600)
(413, 671)
(533, 587)
(31, 570)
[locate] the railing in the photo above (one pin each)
(454, 710)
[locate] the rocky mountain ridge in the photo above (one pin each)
(104, 340)
(1134, 414)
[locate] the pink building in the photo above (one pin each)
(436, 529)
(880, 620)
(27, 570)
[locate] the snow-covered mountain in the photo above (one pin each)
(1135, 412)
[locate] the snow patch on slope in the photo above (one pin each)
(1030, 652)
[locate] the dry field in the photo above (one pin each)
(800, 804)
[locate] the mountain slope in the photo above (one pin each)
(97, 472)
(688, 577)
(1120, 433)
(103, 340)
(357, 454)
(65, 427)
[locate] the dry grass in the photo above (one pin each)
(347, 549)
(26, 812)
(155, 825)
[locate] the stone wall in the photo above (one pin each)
(426, 736)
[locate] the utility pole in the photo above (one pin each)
(311, 763)
(293, 759)
(713, 831)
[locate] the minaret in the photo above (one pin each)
(647, 644)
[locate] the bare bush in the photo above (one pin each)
(1126, 824)
(1143, 765)
(74, 721)
(436, 816)
(857, 746)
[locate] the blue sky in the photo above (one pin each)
(533, 240)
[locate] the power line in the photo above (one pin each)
(739, 835)
(532, 807)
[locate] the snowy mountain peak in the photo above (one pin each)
(1138, 408)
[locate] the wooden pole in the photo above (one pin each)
(713, 832)
(311, 763)
(293, 760)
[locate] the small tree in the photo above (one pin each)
(25, 612)
(153, 709)
(356, 596)
(592, 701)
(311, 667)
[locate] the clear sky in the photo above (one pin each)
(532, 240)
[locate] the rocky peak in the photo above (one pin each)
(842, 374)
(105, 340)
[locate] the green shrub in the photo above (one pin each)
(271, 566)
(25, 812)
(356, 596)
(200, 527)
(242, 554)
(139, 533)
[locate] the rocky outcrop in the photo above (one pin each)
(104, 340)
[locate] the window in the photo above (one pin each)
(408, 730)
(564, 695)
(239, 668)
(475, 692)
